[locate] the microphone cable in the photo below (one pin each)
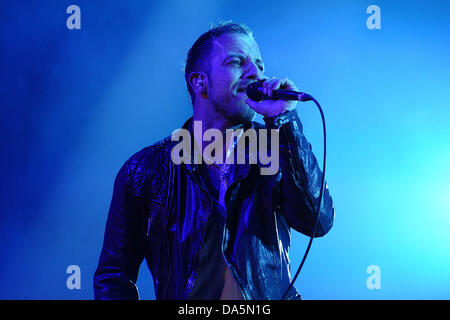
(320, 196)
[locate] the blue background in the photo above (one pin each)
(75, 104)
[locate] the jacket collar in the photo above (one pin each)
(239, 171)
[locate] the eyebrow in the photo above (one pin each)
(258, 61)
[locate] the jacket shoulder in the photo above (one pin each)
(149, 170)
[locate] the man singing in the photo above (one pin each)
(215, 229)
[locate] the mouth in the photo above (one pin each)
(241, 90)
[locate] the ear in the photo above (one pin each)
(198, 82)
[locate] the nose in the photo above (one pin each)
(253, 72)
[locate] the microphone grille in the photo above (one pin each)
(254, 91)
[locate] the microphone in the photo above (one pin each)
(255, 91)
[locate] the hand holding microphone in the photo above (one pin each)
(274, 96)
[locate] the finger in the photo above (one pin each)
(288, 84)
(274, 86)
(269, 85)
(279, 83)
(269, 82)
(252, 104)
(285, 83)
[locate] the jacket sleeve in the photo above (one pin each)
(301, 178)
(123, 250)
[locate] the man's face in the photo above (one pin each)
(235, 62)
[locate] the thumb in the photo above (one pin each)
(252, 104)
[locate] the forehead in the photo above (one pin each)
(235, 43)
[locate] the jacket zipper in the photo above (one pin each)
(229, 265)
(194, 274)
(233, 272)
(223, 244)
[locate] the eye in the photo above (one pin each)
(235, 61)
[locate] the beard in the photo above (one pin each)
(232, 107)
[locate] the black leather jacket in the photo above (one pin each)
(159, 210)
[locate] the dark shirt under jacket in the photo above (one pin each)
(211, 277)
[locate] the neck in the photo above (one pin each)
(211, 119)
